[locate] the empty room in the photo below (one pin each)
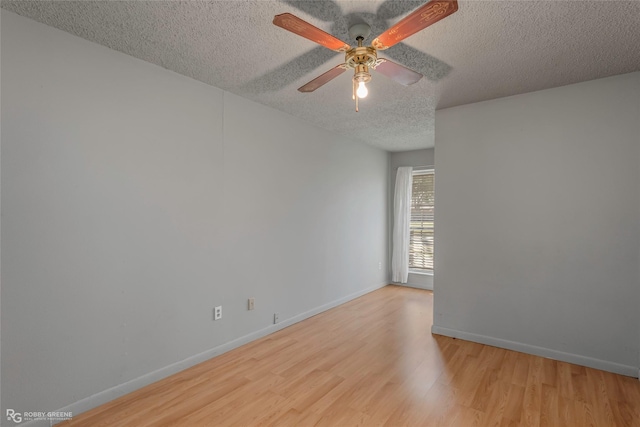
(319, 213)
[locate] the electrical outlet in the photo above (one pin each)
(217, 313)
(276, 317)
(251, 303)
(380, 265)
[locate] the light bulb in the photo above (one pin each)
(362, 91)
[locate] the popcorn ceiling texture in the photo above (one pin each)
(486, 50)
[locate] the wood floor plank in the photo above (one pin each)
(598, 393)
(584, 414)
(515, 400)
(533, 393)
(467, 417)
(521, 370)
(565, 385)
(373, 362)
(484, 397)
(497, 404)
(624, 414)
(566, 410)
(549, 414)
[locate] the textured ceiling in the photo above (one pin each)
(486, 50)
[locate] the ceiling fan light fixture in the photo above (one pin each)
(360, 77)
(362, 90)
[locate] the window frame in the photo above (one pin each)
(415, 172)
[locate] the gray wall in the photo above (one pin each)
(415, 158)
(134, 200)
(538, 231)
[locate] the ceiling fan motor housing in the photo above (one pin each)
(361, 55)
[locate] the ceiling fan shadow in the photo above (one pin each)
(294, 69)
(325, 10)
(392, 8)
(431, 67)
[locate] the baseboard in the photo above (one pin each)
(112, 393)
(414, 286)
(418, 281)
(631, 371)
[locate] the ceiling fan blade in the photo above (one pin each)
(323, 78)
(419, 19)
(397, 72)
(298, 67)
(302, 28)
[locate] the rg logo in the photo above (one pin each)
(14, 416)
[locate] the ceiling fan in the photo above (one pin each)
(363, 58)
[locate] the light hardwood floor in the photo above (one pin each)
(374, 362)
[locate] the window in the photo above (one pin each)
(421, 228)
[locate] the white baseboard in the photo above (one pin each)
(418, 281)
(112, 393)
(631, 371)
(411, 285)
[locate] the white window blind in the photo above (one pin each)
(421, 228)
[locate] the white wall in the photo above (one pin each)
(538, 231)
(134, 200)
(414, 158)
